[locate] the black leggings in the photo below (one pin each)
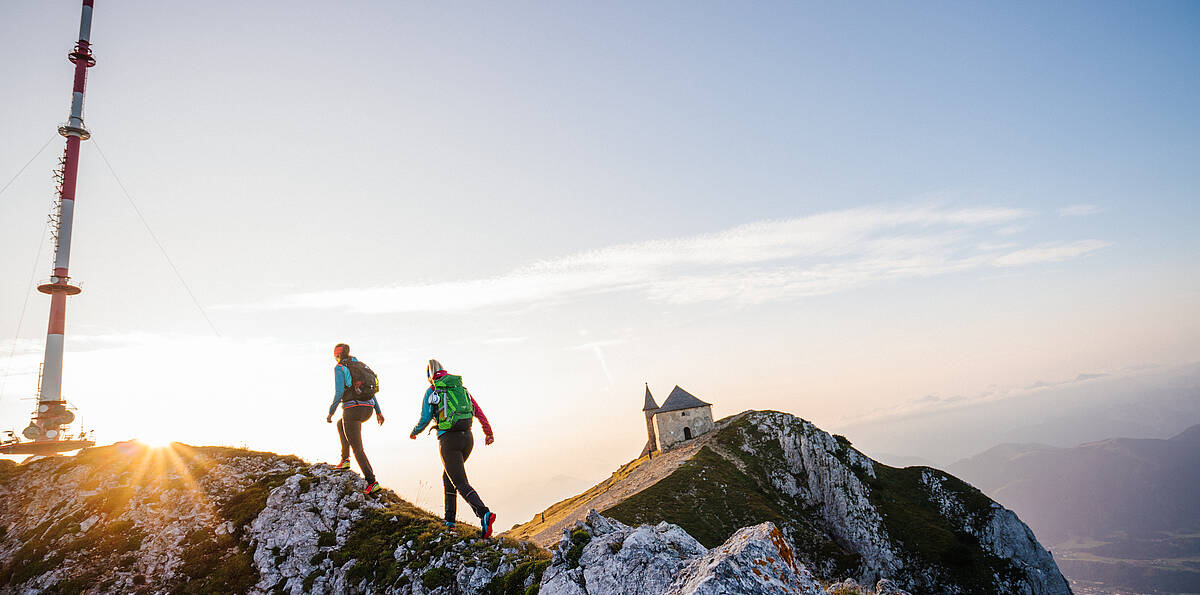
(456, 447)
(350, 432)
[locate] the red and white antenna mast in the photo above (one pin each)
(46, 432)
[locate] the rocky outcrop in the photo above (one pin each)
(603, 556)
(920, 527)
(129, 518)
(850, 587)
(755, 560)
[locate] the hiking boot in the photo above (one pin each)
(372, 488)
(343, 466)
(450, 525)
(489, 521)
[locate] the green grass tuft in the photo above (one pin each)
(513, 581)
(579, 540)
(244, 506)
(326, 539)
(437, 577)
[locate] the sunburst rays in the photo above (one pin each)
(165, 465)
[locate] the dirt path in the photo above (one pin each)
(626, 481)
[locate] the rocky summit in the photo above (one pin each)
(843, 515)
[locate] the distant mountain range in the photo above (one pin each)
(1123, 512)
(1149, 403)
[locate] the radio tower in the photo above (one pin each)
(47, 432)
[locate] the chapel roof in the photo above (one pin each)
(680, 399)
(650, 404)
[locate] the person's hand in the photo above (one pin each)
(379, 418)
(329, 418)
(412, 436)
(489, 440)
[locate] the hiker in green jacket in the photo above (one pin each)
(454, 407)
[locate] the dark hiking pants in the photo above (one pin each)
(456, 447)
(350, 431)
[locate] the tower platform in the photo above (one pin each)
(43, 447)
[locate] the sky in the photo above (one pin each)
(856, 213)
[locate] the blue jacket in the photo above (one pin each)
(341, 380)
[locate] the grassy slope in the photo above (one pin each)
(929, 539)
(563, 509)
(711, 498)
(375, 538)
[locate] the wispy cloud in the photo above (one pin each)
(1056, 252)
(597, 347)
(505, 340)
(1078, 210)
(933, 404)
(751, 263)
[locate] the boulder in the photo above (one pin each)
(755, 560)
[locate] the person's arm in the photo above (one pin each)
(378, 411)
(339, 386)
(426, 414)
(483, 422)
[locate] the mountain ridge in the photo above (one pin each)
(845, 515)
(766, 499)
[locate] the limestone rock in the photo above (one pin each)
(888, 587)
(603, 556)
(755, 560)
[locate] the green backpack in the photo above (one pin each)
(453, 403)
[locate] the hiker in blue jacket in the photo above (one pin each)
(354, 413)
(449, 403)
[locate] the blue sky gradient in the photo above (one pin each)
(836, 210)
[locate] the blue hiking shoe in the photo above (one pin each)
(450, 525)
(489, 521)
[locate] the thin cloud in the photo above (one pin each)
(1011, 230)
(1049, 253)
(932, 404)
(597, 348)
(747, 264)
(1078, 210)
(596, 345)
(505, 340)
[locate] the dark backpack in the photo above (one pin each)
(364, 383)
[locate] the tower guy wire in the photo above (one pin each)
(154, 237)
(23, 167)
(32, 275)
(25, 305)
